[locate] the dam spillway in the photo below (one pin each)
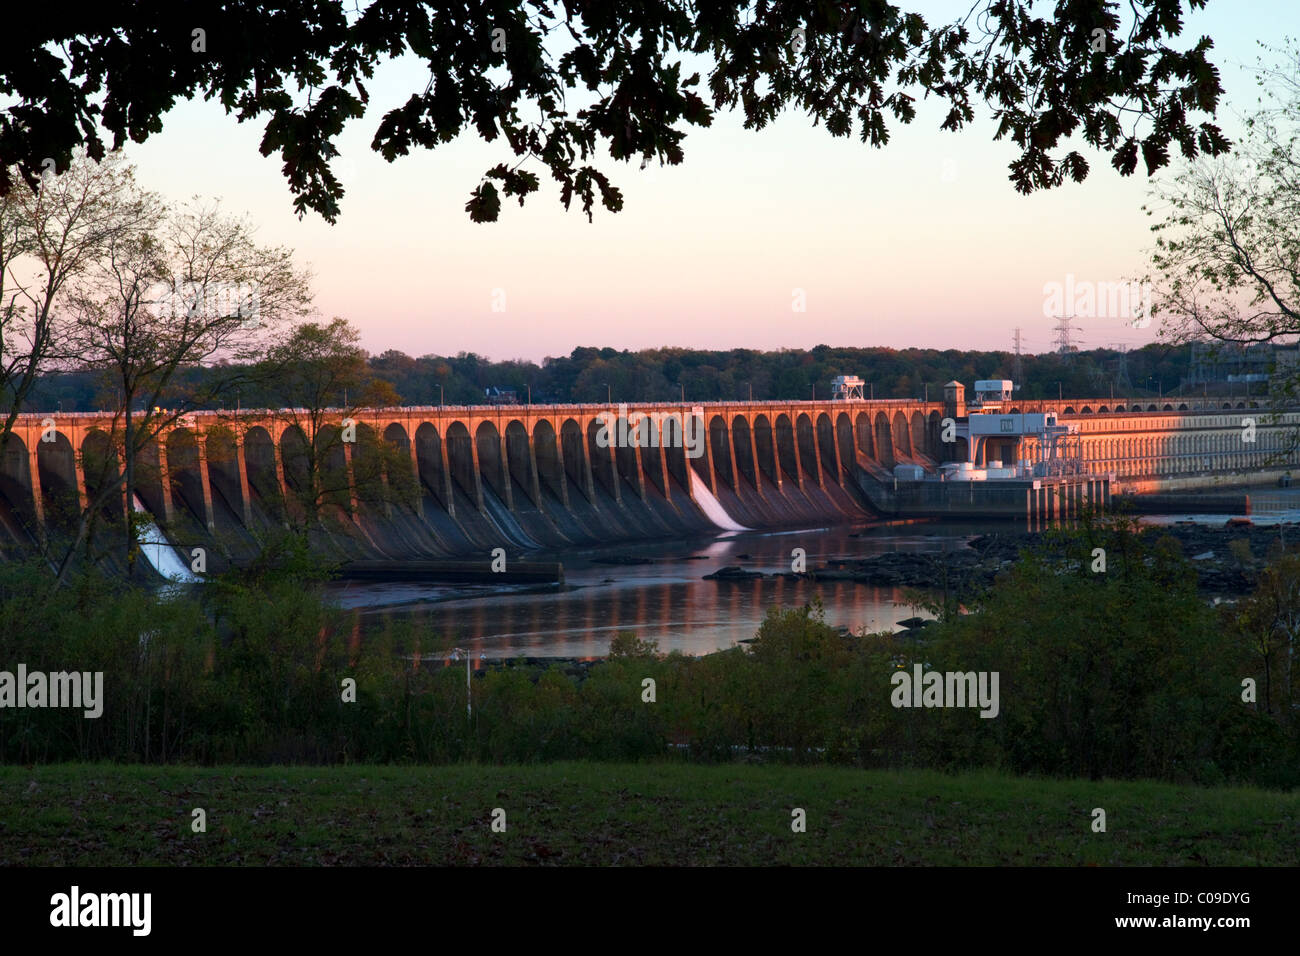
(428, 482)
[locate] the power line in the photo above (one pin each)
(1121, 375)
(1018, 374)
(1064, 344)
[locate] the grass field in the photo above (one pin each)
(600, 814)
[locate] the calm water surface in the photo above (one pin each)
(667, 600)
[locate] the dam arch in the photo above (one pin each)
(400, 463)
(901, 435)
(573, 446)
(462, 463)
(264, 472)
(550, 463)
(367, 473)
(149, 474)
(185, 472)
(933, 436)
(333, 476)
(844, 439)
(602, 459)
(742, 447)
(807, 447)
(720, 451)
(16, 484)
(100, 467)
(433, 471)
(493, 467)
(627, 455)
(223, 466)
(918, 443)
(828, 447)
(862, 429)
(787, 456)
(520, 463)
(765, 446)
(884, 441)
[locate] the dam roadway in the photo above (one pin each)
(427, 482)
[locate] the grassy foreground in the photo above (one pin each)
(631, 814)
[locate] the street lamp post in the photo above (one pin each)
(440, 394)
(469, 706)
(609, 395)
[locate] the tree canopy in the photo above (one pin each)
(661, 375)
(554, 82)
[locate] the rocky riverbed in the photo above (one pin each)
(974, 567)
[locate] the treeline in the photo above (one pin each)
(1127, 673)
(593, 375)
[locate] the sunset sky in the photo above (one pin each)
(922, 243)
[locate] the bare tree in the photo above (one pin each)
(48, 237)
(188, 290)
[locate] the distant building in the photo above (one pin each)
(500, 396)
(1232, 363)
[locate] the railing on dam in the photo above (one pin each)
(501, 409)
(1070, 407)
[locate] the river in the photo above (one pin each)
(668, 601)
(665, 600)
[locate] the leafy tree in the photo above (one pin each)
(553, 82)
(1121, 673)
(321, 379)
(1226, 264)
(49, 238)
(1270, 618)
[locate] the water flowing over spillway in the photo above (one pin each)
(711, 507)
(160, 554)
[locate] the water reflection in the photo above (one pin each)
(665, 600)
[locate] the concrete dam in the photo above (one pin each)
(428, 482)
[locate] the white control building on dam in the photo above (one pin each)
(1048, 460)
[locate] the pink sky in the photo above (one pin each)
(923, 243)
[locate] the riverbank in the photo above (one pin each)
(974, 567)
